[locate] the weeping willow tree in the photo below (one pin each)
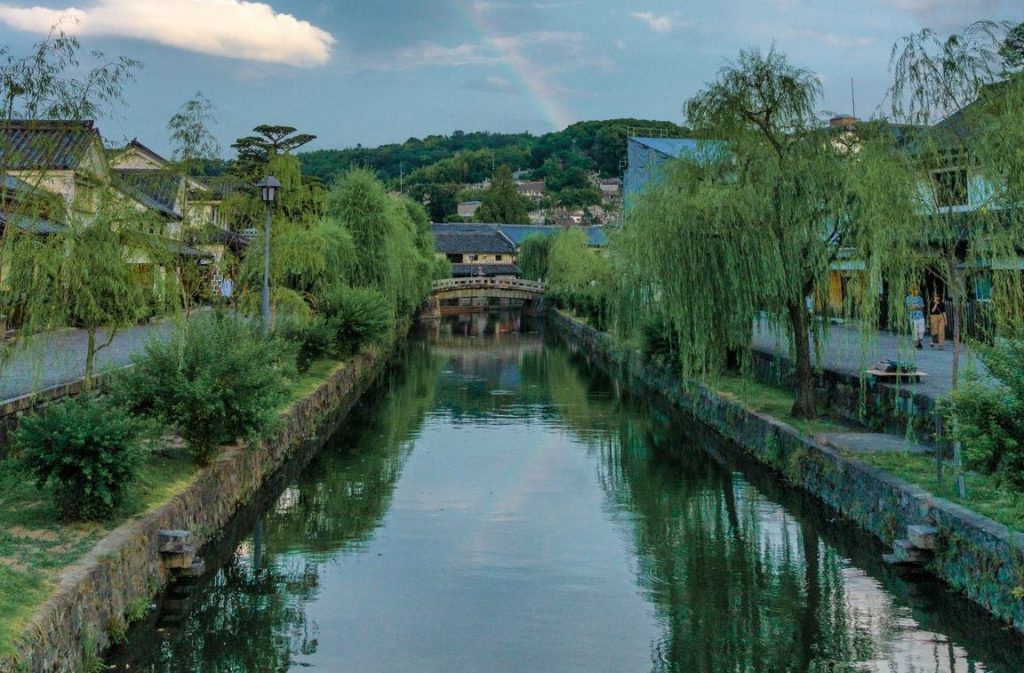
(964, 90)
(86, 275)
(533, 256)
(308, 250)
(754, 221)
(578, 277)
(193, 143)
(394, 246)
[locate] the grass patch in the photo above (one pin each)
(984, 494)
(305, 383)
(35, 545)
(773, 400)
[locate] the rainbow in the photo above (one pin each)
(546, 97)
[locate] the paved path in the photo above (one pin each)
(844, 352)
(51, 359)
(874, 442)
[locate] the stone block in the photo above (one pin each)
(180, 560)
(173, 541)
(908, 553)
(923, 537)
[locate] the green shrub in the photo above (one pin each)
(660, 341)
(313, 339)
(989, 415)
(216, 379)
(88, 447)
(360, 316)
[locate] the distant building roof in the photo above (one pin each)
(156, 189)
(17, 185)
(520, 232)
(517, 233)
(218, 186)
(479, 269)
(233, 240)
(645, 157)
(678, 147)
(531, 186)
(34, 144)
(472, 241)
(33, 225)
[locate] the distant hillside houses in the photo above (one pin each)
(486, 249)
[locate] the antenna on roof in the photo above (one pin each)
(853, 100)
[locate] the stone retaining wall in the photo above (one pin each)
(977, 556)
(883, 407)
(93, 595)
(16, 407)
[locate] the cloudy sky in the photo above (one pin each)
(376, 71)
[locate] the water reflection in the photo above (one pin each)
(496, 505)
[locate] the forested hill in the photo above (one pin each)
(600, 145)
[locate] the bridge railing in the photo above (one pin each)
(483, 282)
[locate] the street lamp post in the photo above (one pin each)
(268, 192)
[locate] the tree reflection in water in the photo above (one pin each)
(740, 578)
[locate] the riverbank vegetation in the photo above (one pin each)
(754, 223)
(81, 467)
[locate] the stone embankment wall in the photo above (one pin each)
(879, 406)
(975, 555)
(14, 408)
(94, 595)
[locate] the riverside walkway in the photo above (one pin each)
(59, 357)
(844, 351)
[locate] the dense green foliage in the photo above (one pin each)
(436, 169)
(83, 275)
(88, 447)
(753, 223)
(988, 417)
(954, 85)
(533, 256)
(578, 277)
(313, 339)
(215, 380)
(357, 316)
(502, 202)
(603, 143)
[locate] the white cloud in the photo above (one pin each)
(659, 24)
(945, 14)
(491, 84)
(430, 54)
(230, 28)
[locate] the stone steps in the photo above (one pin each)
(916, 549)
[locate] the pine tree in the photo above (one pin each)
(502, 202)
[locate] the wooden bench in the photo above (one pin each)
(898, 377)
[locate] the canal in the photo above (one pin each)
(495, 505)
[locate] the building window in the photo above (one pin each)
(983, 288)
(497, 258)
(474, 258)
(950, 187)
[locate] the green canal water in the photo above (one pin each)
(496, 505)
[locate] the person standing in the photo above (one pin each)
(915, 305)
(937, 316)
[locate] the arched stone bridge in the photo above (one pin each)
(455, 294)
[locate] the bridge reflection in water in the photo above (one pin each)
(481, 293)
